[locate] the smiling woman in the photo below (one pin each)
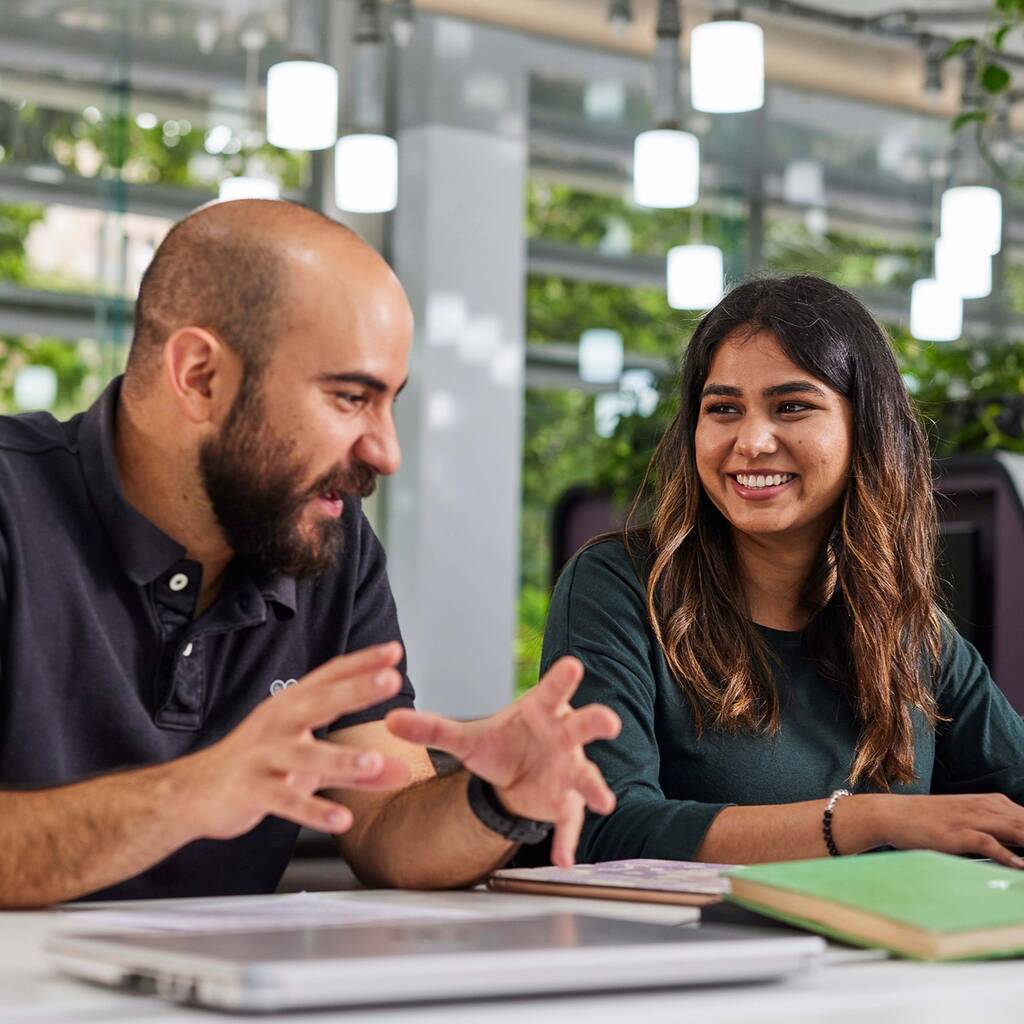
(771, 635)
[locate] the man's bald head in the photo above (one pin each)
(226, 268)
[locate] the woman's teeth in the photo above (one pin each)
(759, 480)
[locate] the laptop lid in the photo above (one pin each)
(398, 962)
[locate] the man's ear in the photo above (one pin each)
(203, 373)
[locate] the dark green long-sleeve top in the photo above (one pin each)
(670, 785)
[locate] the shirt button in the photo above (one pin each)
(179, 581)
(188, 650)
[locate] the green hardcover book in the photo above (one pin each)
(929, 906)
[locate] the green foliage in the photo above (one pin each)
(852, 261)
(559, 213)
(559, 450)
(534, 602)
(994, 77)
(560, 310)
(16, 220)
(969, 117)
(171, 153)
(78, 366)
(980, 55)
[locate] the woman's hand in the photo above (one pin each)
(978, 823)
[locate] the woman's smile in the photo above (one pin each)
(762, 486)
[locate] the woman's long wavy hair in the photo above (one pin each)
(875, 626)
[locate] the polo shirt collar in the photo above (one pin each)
(275, 587)
(144, 551)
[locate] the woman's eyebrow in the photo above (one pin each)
(721, 389)
(794, 387)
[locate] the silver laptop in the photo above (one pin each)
(396, 962)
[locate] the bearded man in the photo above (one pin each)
(199, 650)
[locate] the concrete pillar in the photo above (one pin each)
(452, 512)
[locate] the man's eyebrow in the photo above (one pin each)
(794, 387)
(366, 379)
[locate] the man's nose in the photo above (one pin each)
(379, 448)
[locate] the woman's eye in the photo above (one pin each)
(793, 407)
(720, 409)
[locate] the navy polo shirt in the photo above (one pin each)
(103, 665)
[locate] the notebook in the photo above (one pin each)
(650, 881)
(919, 904)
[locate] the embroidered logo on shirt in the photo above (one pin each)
(281, 684)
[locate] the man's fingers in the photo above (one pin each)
(559, 683)
(309, 707)
(309, 811)
(358, 663)
(338, 767)
(430, 730)
(567, 831)
(591, 786)
(594, 722)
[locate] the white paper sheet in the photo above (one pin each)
(293, 910)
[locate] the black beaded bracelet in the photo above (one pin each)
(826, 822)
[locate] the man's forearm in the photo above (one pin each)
(426, 837)
(59, 844)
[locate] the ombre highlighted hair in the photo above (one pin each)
(875, 625)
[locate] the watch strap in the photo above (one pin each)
(484, 803)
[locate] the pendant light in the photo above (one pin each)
(964, 271)
(600, 355)
(302, 92)
(936, 312)
(366, 161)
(246, 186)
(971, 210)
(727, 66)
(666, 160)
(695, 276)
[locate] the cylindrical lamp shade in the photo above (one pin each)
(972, 216)
(666, 168)
(302, 105)
(366, 173)
(35, 387)
(965, 272)
(727, 67)
(695, 276)
(936, 312)
(803, 183)
(248, 188)
(600, 355)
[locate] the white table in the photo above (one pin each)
(878, 991)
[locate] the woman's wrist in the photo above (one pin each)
(859, 822)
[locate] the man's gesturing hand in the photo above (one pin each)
(272, 764)
(531, 752)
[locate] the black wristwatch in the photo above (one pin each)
(484, 803)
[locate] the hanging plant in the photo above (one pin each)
(987, 89)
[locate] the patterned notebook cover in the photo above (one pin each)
(680, 876)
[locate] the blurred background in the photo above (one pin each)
(563, 186)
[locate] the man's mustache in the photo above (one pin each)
(358, 480)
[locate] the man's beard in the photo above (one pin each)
(254, 484)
